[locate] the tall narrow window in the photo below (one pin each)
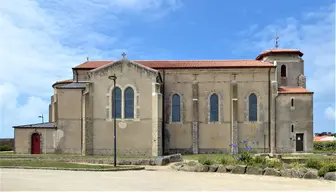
(253, 110)
(292, 102)
(129, 103)
(213, 108)
(117, 94)
(292, 128)
(283, 71)
(176, 110)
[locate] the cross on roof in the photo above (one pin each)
(123, 54)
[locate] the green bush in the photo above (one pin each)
(260, 160)
(205, 161)
(6, 148)
(327, 168)
(246, 158)
(324, 146)
(224, 161)
(274, 164)
(314, 164)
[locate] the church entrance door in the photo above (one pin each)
(36, 144)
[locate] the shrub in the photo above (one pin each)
(245, 156)
(274, 164)
(6, 148)
(224, 161)
(324, 146)
(314, 164)
(205, 161)
(260, 160)
(327, 168)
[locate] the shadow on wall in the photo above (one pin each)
(58, 138)
(167, 136)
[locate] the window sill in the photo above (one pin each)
(214, 122)
(176, 122)
(123, 120)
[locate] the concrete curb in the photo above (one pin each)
(74, 169)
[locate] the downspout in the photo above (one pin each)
(163, 111)
(81, 121)
(275, 109)
(269, 110)
(275, 123)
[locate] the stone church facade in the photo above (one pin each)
(180, 106)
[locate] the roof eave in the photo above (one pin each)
(295, 92)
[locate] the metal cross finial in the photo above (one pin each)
(123, 54)
(276, 40)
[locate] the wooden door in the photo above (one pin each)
(299, 142)
(36, 144)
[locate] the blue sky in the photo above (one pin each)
(40, 42)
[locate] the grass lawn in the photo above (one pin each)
(24, 163)
(41, 156)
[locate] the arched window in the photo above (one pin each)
(292, 128)
(117, 94)
(292, 102)
(213, 107)
(129, 103)
(253, 107)
(176, 110)
(283, 71)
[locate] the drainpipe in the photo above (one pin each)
(81, 121)
(275, 110)
(269, 110)
(163, 111)
(275, 124)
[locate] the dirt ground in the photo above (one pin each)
(154, 178)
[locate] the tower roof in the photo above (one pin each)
(281, 51)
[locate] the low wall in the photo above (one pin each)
(163, 160)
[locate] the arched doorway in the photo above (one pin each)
(35, 143)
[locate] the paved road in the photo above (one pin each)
(162, 180)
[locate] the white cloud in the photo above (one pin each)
(330, 113)
(42, 40)
(314, 34)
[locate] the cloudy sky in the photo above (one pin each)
(41, 40)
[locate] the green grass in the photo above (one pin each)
(23, 163)
(214, 158)
(46, 156)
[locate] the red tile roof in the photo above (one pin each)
(320, 138)
(293, 90)
(166, 64)
(268, 52)
(62, 82)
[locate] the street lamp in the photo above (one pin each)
(114, 78)
(41, 116)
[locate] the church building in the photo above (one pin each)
(177, 106)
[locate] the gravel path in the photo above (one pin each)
(158, 179)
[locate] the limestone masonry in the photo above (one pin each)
(165, 107)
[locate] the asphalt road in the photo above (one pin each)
(159, 180)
